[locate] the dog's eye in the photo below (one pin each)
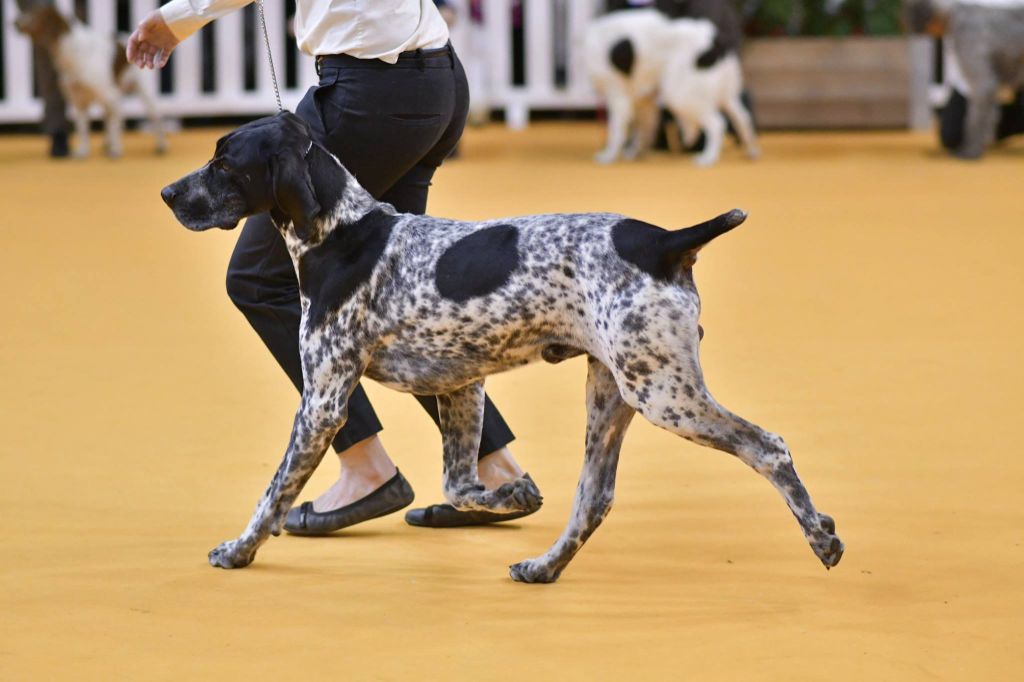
(221, 164)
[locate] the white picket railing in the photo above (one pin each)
(186, 98)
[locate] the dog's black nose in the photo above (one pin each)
(168, 194)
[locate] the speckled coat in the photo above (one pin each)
(433, 306)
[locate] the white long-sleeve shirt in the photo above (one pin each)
(367, 29)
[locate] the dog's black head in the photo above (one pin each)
(263, 166)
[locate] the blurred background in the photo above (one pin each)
(810, 63)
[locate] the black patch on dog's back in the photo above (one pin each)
(479, 263)
(713, 54)
(622, 56)
(330, 272)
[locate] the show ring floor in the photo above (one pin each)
(869, 311)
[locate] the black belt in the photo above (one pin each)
(441, 57)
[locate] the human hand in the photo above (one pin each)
(151, 44)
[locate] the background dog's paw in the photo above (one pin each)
(605, 158)
(532, 571)
(231, 554)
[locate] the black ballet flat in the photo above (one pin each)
(447, 516)
(394, 495)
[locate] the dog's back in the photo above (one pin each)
(625, 51)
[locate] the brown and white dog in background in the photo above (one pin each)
(93, 69)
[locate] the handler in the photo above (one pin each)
(391, 105)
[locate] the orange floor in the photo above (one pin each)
(870, 311)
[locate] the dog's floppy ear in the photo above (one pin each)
(293, 189)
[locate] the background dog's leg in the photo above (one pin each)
(982, 101)
(646, 128)
(81, 115)
(608, 416)
(620, 116)
(317, 421)
(114, 130)
(154, 119)
(714, 132)
(982, 112)
(461, 415)
(743, 124)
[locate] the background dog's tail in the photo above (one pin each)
(692, 239)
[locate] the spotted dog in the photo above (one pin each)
(433, 306)
(93, 69)
(636, 57)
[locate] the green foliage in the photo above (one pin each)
(822, 17)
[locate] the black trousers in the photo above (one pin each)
(391, 126)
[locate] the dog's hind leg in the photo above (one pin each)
(608, 416)
(714, 133)
(322, 412)
(114, 126)
(744, 125)
(646, 129)
(620, 117)
(696, 416)
(154, 118)
(461, 416)
(82, 125)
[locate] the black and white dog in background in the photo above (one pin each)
(984, 41)
(641, 58)
(433, 306)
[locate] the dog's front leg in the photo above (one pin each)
(461, 415)
(114, 129)
(608, 416)
(81, 116)
(323, 411)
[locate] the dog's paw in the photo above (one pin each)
(825, 543)
(605, 158)
(231, 554)
(754, 153)
(703, 161)
(521, 495)
(533, 571)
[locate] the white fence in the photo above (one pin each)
(550, 30)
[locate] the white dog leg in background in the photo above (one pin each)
(620, 115)
(154, 119)
(741, 121)
(114, 129)
(646, 128)
(714, 127)
(81, 116)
